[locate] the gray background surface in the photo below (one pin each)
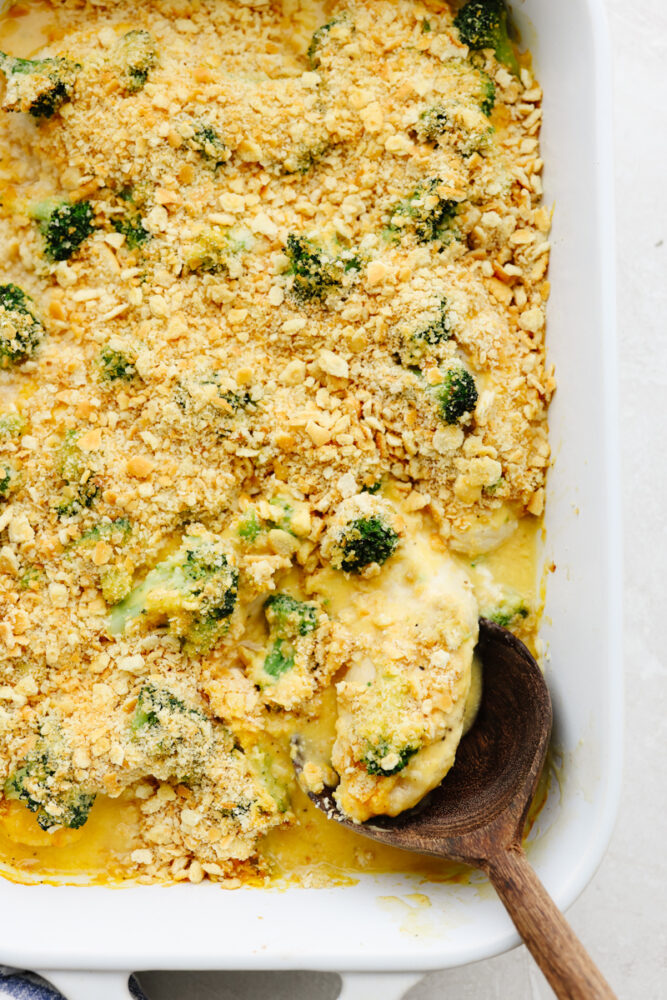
(621, 915)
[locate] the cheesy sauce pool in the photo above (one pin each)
(272, 422)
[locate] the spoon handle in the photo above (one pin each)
(568, 967)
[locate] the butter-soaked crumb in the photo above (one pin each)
(289, 255)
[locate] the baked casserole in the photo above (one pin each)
(273, 418)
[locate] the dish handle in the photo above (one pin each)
(90, 985)
(377, 985)
(115, 986)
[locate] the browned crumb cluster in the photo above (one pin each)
(190, 382)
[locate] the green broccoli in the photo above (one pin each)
(20, 329)
(316, 273)
(209, 145)
(82, 486)
(216, 251)
(10, 480)
(488, 94)
(117, 532)
(249, 527)
(207, 405)
(31, 578)
(271, 773)
(305, 155)
(115, 365)
(432, 123)
(506, 612)
(288, 620)
(456, 394)
(425, 212)
(467, 127)
(37, 86)
(135, 56)
(363, 541)
(115, 580)
(115, 584)
(11, 425)
(166, 727)
(130, 222)
(372, 488)
(384, 759)
(320, 36)
(437, 331)
(77, 498)
(64, 226)
(131, 225)
(193, 592)
(483, 24)
(43, 782)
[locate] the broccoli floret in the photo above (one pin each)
(315, 272)
(130, 223)
(209, 145)
(384, 759)
(365, 540)
(456, 394)
(438, 331)
(20, 329)
(288, 619)
(151, 703)
(117, 532)
(488, 94)
(132, 227)
(432, 123)
(209, 406)
(43, 783)
(483, 24)
(116, 365)
(506, 612)
(10, 480)
(468, 128)
(77, 498)
(249, 527)
(164, 724)
(31, 578)
(135, 55)
(373, 488)
(425, 212)
(115, 584)
(37, 86)
(82, 487)
(11, 425)
(271, 773)
(216, 251)
(193, 593)
(320, 36)
(64, 226)
(304, 156)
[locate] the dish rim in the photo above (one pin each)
(328, 958)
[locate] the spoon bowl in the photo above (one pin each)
(477, 814)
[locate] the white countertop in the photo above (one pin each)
(621, 915)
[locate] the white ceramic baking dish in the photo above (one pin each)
(357, 928)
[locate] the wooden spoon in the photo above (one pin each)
(477, 814)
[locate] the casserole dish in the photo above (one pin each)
(364, 927)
